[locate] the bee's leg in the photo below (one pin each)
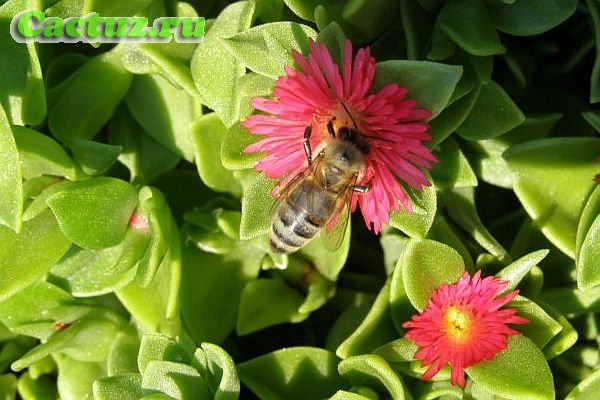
(362, 188)
(306, 143)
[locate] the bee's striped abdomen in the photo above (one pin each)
(291, 229)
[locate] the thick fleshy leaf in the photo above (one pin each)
(541, 328)
(594, 10)
(11, 185)
(94, 213)
(590, 212)
(487, 159)
(373, 371)
(417, 223)
(42, 388)
(87, 339)
(164, 111)
(208, 133)
(266, 49)
(589, 388)
(257, 204)
(426, 264)
(219, 371)
(453, 116)
(232, 149)
(217, 82)
(522, 19)
(552, 177)
(124, 387)
(179, 381)
(210, 311)
(155, 306)
(430, 84)
(94, 272)
(22, 92)
(493, 114)
(34, 310)
(140, 153)
(76, 384)
(441, 231)
(375, 330)
(104, 83)
(468, 23)
(29, 255)
(564, 340)
(94, 158)
(41, 155)
(327, 260)
(155, 347)
(588, 273)
(305, 9)
(153, 208)
(267, 302)
(461, 207)
(517, 270)
(520, 371)
(292, 373)
(452, 168)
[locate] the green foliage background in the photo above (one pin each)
(196, 306)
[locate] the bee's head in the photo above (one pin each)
(353, 137)
(345, 155)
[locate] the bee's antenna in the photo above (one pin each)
(350, 115)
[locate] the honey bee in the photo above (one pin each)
(322, 190)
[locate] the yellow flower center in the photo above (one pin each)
(457, 324)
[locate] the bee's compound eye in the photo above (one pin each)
(344, 133)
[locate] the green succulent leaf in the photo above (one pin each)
(94, 213)
(373, 371)
(94, 158)
(470, 26)
(266, 49)
(77, 384)
(219, 371)
(521, 19)
(22, 91)
(426, 264)
(586, 251)
(210, 312)
(517, 270)
(125, 387)
(375, 330)
(430, 84)
(551, 178)
(28, 256)
(520, 371)
(267, 302)
(41, 155)
(417, 223)
(295, 373)
(87, 339)
(218, 82)
(164, 111)
(208, 134)
(176, 380)
(11, 185)
(154, 347)
(453, 168)
(140, 153)
(104, 82)
(493, 114)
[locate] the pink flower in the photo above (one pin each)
(463, 325)
(316, 94)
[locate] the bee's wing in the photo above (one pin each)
(335, 237)
(293, 183)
